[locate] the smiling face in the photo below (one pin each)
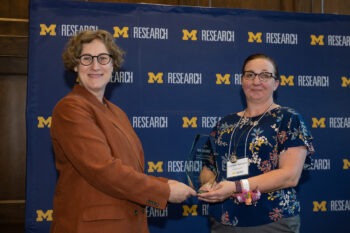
(257, 91)
(95, 76)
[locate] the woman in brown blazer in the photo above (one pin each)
(101, 186)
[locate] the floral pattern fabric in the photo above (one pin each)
(261, 139)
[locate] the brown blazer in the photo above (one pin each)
(101, 186)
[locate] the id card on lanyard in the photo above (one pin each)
(239, 168)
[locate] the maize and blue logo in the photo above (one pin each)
(317, 40)
(319, 206)
(206, 122)
(48, 30)
(64, 29)
(228, 79)
(189, 210)
(174, 166)
(190, 78)
(332, 40)
(44, 122)
(276, 38)
(189, 34)
(254, 37)
(211, 35)
(332, 205)
(155, 166)
(189, 122)
(121, 32)
(118, 32)
(44, 216)
(145, 32)
(304, 80)
(331, 122)
(178, 78)
(155, 78)
(340, 122)
(319, 122)
(287, 81)
(195, 210)
(223, 79)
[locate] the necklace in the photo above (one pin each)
(233, 157)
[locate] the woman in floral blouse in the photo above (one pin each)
(260, 152)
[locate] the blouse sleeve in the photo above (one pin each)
(293, 132)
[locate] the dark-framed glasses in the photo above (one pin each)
(103, 59)
(263, 76)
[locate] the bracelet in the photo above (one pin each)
(238, 186)
(245, 185)
(249, 197)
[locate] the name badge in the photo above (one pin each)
(239, 168)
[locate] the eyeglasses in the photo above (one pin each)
(263, 76)
(103, 59)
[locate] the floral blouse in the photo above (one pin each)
(269, 135)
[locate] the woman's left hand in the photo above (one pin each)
(221, 192)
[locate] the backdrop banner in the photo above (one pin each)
(181, 75)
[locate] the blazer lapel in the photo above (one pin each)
(114, 115)
(127, 131)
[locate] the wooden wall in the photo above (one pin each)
(13, 83)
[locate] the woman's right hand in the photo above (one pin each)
(179, 191)
(219, 192)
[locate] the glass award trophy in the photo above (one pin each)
(202, 170)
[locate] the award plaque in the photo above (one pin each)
(202, 170)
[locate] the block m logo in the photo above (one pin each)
(188, 210)
(42, 122)
(41, 215)
(320, 206)
(319, 122)
(189, 35)
(287, 81)
(223, 79)
(152, 78)
(187, 122)
(50, 29)
(317, 40)
(121, 32)
(155, 167)
(254, 37)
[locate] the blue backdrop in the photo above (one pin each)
(181, 74)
